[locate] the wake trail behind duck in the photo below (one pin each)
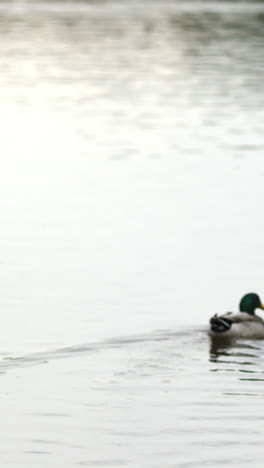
(44, 357)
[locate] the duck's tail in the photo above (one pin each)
(220, 324)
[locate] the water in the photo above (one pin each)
(131, 197)
(159, 399)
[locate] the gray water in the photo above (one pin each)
(131, 211)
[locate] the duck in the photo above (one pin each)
(243, 324)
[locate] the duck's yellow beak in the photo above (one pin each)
(261, 306)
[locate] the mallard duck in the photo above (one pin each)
(242, 324)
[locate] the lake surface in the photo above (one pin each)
(132, 183)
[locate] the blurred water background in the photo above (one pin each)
(131, 183)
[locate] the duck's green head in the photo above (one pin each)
(249, 303)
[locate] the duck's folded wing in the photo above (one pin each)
(224, 322)
(239, 317)
(236, 317)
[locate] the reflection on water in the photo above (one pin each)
(134, 81)
(241, 358)
(220, 347)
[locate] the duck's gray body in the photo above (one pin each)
(237, 325)
(242, 324)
